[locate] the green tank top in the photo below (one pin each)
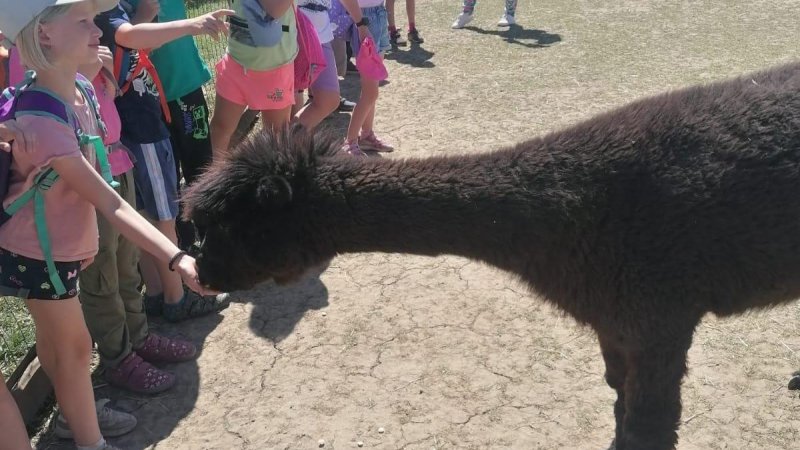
(258, 41)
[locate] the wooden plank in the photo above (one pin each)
(30, 386)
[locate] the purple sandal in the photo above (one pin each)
(161, 349)
(138, 375)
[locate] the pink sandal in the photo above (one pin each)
(138, 375)
(161, 349)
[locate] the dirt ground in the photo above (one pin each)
(405, 352)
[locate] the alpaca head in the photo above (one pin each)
(250, 204)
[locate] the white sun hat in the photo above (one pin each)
(16, 14)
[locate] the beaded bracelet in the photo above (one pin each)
(175, 259)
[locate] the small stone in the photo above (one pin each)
(321, 442)
(360, 444)
(324, 314)
(381, 430)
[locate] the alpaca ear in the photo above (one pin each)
(274, 192)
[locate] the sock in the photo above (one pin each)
(412, 26)
(392, 29)
(96, 446)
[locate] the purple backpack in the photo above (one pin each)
(25, 99)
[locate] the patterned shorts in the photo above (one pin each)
(30, 279)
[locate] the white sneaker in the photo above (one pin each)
(506, 21)
(461, 21)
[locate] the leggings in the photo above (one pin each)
(510, 8)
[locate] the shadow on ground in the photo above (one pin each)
(526, 37)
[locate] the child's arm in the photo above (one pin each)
(352, 8)
(153, 35)
(82, 178)
(276, 8)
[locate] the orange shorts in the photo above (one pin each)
(257, 89)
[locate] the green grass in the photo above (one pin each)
(17, 333)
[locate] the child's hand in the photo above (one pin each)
(146, 11)
(212, 24)
(106, 57)
(10, 131)
(187, 267)
(363, 32)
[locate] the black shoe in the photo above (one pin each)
(345, 105)
(351, 68)
(414, 37)
(396, 39)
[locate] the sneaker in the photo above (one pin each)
(462, 20)
(351, 148)
(345, 105)
(153, 304)
(414, 37)
(351, 68)
(194, 305)
(112, 423)
(506, 21)
(137, 375)
(161, 349)
(371, 143)
(396, 39)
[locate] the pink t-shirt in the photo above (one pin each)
(118, 157)
(71, 220)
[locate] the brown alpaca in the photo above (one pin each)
(637, 222)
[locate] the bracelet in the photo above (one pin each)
(175, 259)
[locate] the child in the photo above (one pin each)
(373, 22)
(394, 34)
(257, 71)
(54, 37)
(143, 132)
(183, 74)
(110, 297)
(324, 92)
(506, 20)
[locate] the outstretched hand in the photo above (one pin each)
(186, 266)
(212, 24)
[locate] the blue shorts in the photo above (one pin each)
(378, 26)
(156, 179)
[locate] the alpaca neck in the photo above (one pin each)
(485, 207)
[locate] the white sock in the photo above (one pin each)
(96, 446)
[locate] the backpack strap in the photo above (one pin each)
(95, 141)
(143, 63)
(41, 183)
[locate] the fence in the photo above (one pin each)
(17, 335)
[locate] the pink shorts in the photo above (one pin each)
(257, 89)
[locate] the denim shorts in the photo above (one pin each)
(378, 26)
(29, 278)
(156, 179)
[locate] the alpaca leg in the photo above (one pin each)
(653, 396)
(615, 377)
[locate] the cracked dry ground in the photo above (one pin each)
(445, 353)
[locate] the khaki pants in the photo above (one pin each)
(109, 294)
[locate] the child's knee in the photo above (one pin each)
(328, 100)
(72, 348)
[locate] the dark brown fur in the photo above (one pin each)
(636, 222)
